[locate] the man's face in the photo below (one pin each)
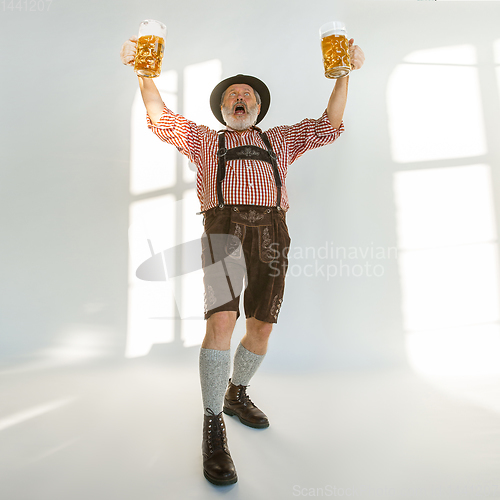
(239, 107)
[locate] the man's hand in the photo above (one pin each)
(356, 55)
(129, 48)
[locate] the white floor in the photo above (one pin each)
(132, 431)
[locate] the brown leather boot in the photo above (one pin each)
(218, 466)
(237, 402)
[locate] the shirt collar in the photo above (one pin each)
(254, 127)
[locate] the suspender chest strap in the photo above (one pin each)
(274, 164)
(221, 167)
(249, 152)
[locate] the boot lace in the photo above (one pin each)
(216, 432)
(243, 397)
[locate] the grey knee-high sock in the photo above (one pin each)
(214, 374)
(245, 365)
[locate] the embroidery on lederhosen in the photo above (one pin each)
(276, 306)
(252, 216)
(234, 246)
(210, 298)
(267, 253)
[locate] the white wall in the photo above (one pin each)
(66, 105)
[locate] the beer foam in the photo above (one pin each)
(332, 28)
(152, 27)
(333, 32)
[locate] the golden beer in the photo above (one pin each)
(335, 50)
(149, 55)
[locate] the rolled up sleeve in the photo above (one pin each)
(309, 134)
(324, 127)
(178, 131)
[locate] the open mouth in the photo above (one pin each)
(239, 109)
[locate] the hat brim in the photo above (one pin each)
(254, 82)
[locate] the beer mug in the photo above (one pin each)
(335, 49)
(150, 48)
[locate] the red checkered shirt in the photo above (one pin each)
(247, 182)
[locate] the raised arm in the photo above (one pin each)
(152, 98)
(337, 102)
(150, 95)
(338, 99)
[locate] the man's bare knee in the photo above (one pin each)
(222, 321)
(220, 328)
(259, 329)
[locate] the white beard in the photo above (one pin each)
(237, 122)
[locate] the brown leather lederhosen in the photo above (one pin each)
(255, 244)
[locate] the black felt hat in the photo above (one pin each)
(255, 83)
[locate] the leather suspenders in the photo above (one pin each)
(274, 164)
(245, 153)
(221, 168)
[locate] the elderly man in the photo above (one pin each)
(241, 174)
